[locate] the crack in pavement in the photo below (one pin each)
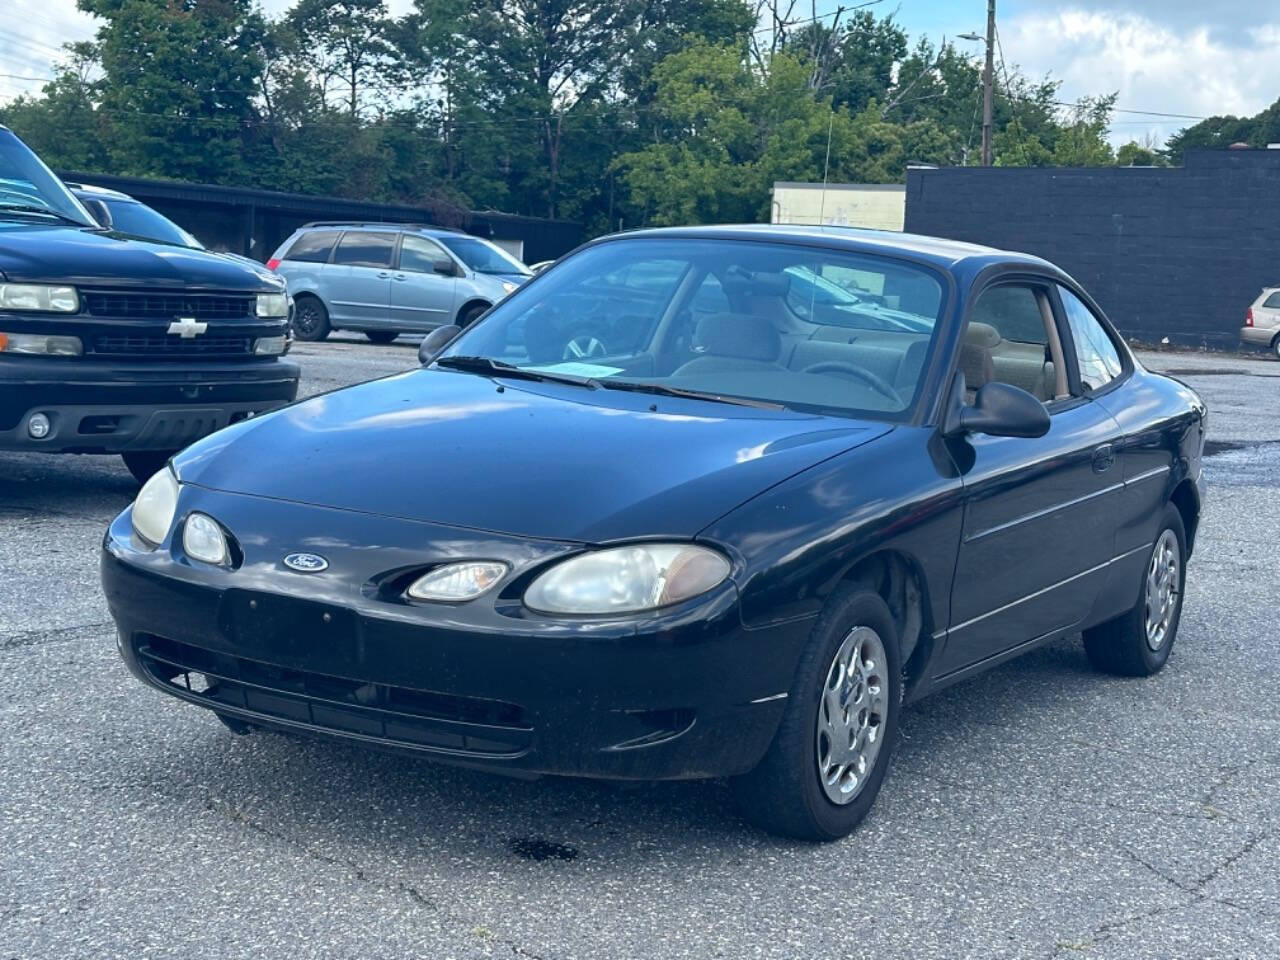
(30, 638)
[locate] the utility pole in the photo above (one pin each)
(988, 82)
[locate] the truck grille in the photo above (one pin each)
(135, 305)
(140, 345)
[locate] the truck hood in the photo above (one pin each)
(540, 460)
(47, 253)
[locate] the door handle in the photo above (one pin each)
(399, 276)
(1103, 457)
(382, 274)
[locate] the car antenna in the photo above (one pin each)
(822, 211)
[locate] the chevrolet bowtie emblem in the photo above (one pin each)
(188, 327)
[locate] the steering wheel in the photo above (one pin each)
(858, 373)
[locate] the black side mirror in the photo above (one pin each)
(1000, 410)
(433, 343)
(446, 267)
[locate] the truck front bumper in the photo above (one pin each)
(95, 407)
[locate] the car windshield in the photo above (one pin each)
(29, 189)
(729, 320)
(482, 256)
(139, 220)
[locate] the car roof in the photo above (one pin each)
(937, 251)
(357, 225)
(100, 193)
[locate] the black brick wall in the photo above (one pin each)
(1177, 253)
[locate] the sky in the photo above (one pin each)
(1185, 57)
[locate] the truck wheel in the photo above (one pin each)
(381, 336)
(825, 766)
(143, 463)
(310, 319)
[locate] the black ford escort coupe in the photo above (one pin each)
(790, 480)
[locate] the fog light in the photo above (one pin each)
(203, 540)
(38, 426)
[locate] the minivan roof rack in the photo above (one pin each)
(378, 223)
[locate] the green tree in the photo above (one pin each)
(345, 43)
(62, 124)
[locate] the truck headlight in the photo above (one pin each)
(40, 344)
(644, 576)
(270, 346)
(38, 296)
(155, 506)
(273, 305)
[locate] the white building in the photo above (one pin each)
(879, 206)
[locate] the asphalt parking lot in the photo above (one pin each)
(1040, 810)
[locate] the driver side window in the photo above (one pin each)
(1007, 341)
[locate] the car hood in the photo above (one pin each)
(65, 254)
(540, 460)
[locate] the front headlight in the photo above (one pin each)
(270, 346)
(272, 305)
(455, 582)
(155, 506)
(40, 344)
(38, 296)
(627, 579)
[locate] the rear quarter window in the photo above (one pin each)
(1272, 302)
(312, 247)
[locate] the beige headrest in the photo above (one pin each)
(982, 335)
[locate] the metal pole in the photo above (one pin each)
(988, 78)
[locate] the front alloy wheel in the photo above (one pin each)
(829, 757)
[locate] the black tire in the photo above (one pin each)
(470, 315)
(310, 319)
(1120, 646)
(784, 794)
(382, 336)
(143, 463)
(1275, 347)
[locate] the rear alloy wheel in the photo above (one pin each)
(1275, 347)
(144, 463)
(310, 319)
(1138, 643)
(825, 766)
(382, 336)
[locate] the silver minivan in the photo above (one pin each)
(386, 279)
(1262, 321)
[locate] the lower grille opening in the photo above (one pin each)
(403, 715)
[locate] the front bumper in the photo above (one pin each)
(103, 407)
(1258, 336)
(689, 693)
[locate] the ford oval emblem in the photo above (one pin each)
(306, 562)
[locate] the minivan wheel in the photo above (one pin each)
(144, 463)
(1137, 643)
(825, 766)
(471, 315)
(310, 319)
(382, 336)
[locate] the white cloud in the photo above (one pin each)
(1182, 68)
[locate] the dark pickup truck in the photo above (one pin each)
(110, 344)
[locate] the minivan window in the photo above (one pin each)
(484, 257)
(361, 249)
(313, 247)
(418, 254)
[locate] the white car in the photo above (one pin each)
(1262, 321)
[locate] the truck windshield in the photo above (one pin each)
(29, 189)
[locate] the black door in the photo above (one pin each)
(1040, 514)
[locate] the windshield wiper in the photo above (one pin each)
(42, 211)
(503, 369)
(664, 390)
